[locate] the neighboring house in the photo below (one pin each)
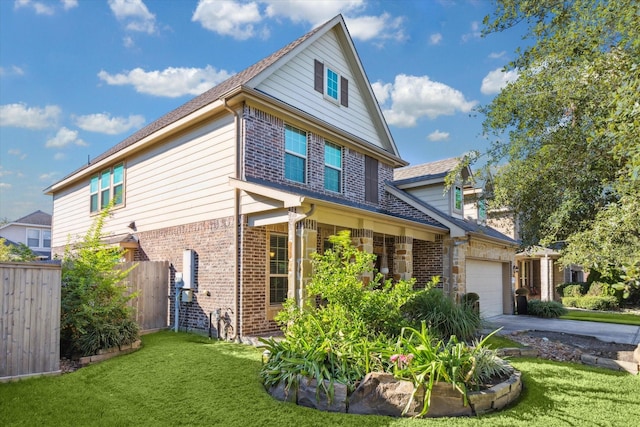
(476, 258)
(239, 186)
(34, 230)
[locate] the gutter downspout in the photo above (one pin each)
(237, 278)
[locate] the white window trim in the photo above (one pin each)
(328, 67)
(293, 153)
(340, 169)
(272, 309)
(457, 188)
(98, 193)
(39, 237)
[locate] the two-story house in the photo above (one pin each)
(243, 183)
(33, 230)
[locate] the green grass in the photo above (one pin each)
(182, 379)
(498, 341)
(603, 316)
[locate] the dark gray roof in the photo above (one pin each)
(35, 218)
(467, 226)
(204, 99)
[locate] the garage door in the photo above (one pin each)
(485, 279)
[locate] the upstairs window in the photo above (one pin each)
(482, 211)
(33, 238)
(46, 238)
(457, 199)
(330, 83)
(295, 160)
(332, 167)
(106, 186)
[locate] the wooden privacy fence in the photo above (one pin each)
(151, 280)
(29, 319)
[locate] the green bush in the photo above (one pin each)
(94, 310)
(545, 309)
(573, 291)
(442, 314)
(561, 288)
(598, 289)
(606, 302)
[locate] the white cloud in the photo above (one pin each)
(497, 55)
(59, 156)
(435, 38)
(437, 135)
(64, 138)
(475, 32)
(19, 115)
(414, 97)
(19, 154)
(47, 177)
(42, 8)
(228, 18)
(14, 70)
(134, 14)
(496, 80)
(383, 27)
(4, 185)
(104, 123)
(315, 12)
(170, 82)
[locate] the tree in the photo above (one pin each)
(94, 312)
(566, 133)
(15, 253)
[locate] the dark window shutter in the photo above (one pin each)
(344, 92)
(370, 179)
(318, 76)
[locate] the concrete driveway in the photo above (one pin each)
(607, 332)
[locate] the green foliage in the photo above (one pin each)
(545, 309)
(606, 302)
(420, 358)
(15, 253)
(443, 316)
(568, 129)
(94, 311)
(572, 289)
(338, 280)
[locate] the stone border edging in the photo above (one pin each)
(381, 394)
(109, 353)
(603, 362)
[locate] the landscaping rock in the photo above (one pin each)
(447, 401)
(311, 396)
(381, 394)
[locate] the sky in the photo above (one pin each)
(79, 76)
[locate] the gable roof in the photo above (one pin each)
(34, 218)
(457, 227)
(247, 77)
(428, 171)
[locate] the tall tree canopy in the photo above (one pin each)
(567, 131)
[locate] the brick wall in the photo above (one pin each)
(427, 261)
(212, 242)
(264, 159)
(403, 209)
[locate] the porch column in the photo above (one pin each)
(402, 258)
(546, 278)
(362, 239)
(454, 261)
(307, 233)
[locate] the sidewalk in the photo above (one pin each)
(607, 332)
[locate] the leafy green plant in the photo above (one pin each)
(422, 359)
(606, 302)
(545, 309)
(94, 310)
(577, 289)
(15, 253)
(573, 291)
(443, 315)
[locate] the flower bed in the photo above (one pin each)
(382, 394)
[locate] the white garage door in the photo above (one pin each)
(485, 279)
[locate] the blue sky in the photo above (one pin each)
(79, 76)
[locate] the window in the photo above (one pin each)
(46, 238)
(332, 167)
(295, 161)
(457, 198)
(107, 186)
(370, 179)
(482, 211)
(278, 268)
(330, 83)
(33, 238)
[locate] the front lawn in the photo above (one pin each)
(183, 379)
(603, 316)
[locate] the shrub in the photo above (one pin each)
(545, 309)
(573, 291)
(588, 302)
(597, 289)
(442, 315)
(94, 310)
(584, 287)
